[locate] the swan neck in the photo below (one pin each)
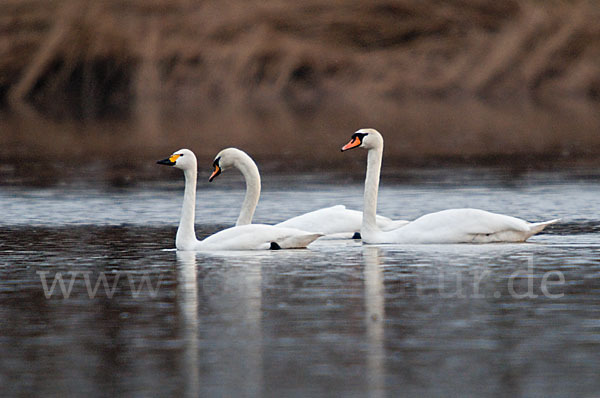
(186, 235)
(252, 177)
(371, 189)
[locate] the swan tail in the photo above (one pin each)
(298, 241)
(536, 227)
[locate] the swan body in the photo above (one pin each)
(447, 226)
(459, 226)
(256, 237)
(246, 237)
(337, 220)
(334, 221)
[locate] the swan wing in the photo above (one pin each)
(258, 237)
(336, 220)
(461, 226)
(473, 221)
(328, 220)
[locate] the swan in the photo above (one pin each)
(335, 221)
(447, 226)
(246, 237)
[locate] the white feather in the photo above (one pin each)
(447, 226)
(246, 237)
(334, 222)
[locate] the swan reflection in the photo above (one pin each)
(187, 293)
(224, 346)
(374, 318)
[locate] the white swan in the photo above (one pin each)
(333, 221)
(447, 226)
(247, 237)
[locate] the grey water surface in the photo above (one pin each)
(339, 318)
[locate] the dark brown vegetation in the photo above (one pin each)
(437, 77)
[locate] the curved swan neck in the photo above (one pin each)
(369, 221)
(186, 235)
(249, 170)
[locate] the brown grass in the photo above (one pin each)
(438, 78)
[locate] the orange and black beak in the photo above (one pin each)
(217, 170)
(354, 142)
(170, 161)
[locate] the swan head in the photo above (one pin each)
(227, 158)
(364, 138)
(182, 159)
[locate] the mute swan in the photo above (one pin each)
(247, 237)
(335, 220)
(447, 226)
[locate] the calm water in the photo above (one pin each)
(337, 318)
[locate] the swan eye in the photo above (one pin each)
(359, 136)
(355, 141)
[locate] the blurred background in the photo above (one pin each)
(491, 104)
(108, 86)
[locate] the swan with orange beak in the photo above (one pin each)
(446, 226)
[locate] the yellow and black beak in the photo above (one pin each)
(170, 161)
(354, 142)
(215, 173)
